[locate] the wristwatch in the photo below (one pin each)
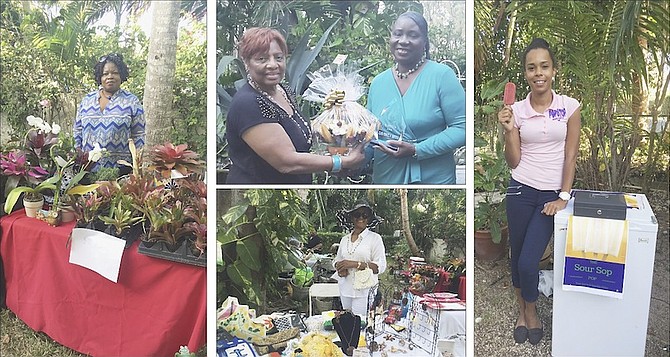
(565, 196)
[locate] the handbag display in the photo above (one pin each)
(275, 342)
(287, 321)
(363, 279)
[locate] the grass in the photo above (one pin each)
(17, 339)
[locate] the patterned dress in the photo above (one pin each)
(122, 119)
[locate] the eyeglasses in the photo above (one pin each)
(105, 57)
(363, 215)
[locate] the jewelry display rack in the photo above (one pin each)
(423, 326)
(421, 330)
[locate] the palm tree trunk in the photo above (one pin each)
(404, 214)
(161, 64)
(509, 38)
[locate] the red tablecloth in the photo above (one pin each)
(461, 287)
(155, 307)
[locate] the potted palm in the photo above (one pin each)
(491, 176)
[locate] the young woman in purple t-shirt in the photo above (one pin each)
(541, 145)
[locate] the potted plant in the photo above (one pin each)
(490, 181)
(105, 197)
(455, 267)
(23, 168)
(69, 186)
(174, 161)
(32, 198)
(177, 217)
(22, 177)
(88, 208)
(121, 218)
(167, 225)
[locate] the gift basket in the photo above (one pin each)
(343, 123)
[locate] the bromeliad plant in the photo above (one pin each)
(167, 223)
(18, 170)
(122, 216)
(168, 157)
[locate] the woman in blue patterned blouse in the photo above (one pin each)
(110, 116)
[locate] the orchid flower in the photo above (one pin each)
(95, 154)
(73, 187)
(45, 103)
(34, 121)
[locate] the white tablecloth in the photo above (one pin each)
(450, 335)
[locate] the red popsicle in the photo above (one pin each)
(510, 94)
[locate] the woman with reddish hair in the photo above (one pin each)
(268, 138)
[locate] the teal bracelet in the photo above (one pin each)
(337, 163)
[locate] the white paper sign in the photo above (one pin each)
(97, 251)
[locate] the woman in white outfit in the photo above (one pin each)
(358, 250)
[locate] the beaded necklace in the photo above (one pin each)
(358, 242)
(306, 134)
(406, 74)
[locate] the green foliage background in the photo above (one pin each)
(252, 263)
(613, 56)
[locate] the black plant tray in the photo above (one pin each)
(181, 255)
(129, 235)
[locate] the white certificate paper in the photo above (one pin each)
(97, 251)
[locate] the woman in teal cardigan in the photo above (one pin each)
(421, 106)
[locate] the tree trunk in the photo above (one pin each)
(161, 63)
(509, 38)
(404, 214)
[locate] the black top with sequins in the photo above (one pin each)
(249, 108)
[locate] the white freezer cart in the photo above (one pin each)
(585, 324)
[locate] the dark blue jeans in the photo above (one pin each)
(529, 234)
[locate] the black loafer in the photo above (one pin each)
(535, 335)
(520, 334)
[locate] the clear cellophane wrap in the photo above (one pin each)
(344, 123)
